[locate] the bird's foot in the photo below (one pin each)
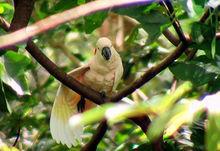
(81, 104)
(103, 94)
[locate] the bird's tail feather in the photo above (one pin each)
(64, 107)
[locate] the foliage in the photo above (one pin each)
(27, 91)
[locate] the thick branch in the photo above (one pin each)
(53, 21)
(23, 8)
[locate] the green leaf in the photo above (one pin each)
(197, 73)
(4, 106)
(198, 133)
(152, 21)
(204, 37)
(213, 49)
(64, 5)
(1, 9)
(13, 72)
(213, 124)
(144, 147)
(5, 6)
(79, 2)
(133, 36)
(198, 6)
(94, 21)
(201, 32)
(15, 63)
(214, 85)
(213, 132)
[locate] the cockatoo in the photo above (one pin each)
(101, 74)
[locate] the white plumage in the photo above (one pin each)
(102, 74)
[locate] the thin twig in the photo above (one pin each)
(168, 5)
(171, 37)
(205, 16)
(4, 24)
(17, 136)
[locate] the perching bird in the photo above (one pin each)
(101, 74)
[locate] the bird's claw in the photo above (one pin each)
(81, 104)
(103, 94)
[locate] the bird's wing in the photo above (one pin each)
(118, 74)
(64, 107)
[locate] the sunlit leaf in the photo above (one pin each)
(213, 132)
(198, 6)
(4, 7)
(4, 147)
(213, 126)
(1, 9)
(13, 73)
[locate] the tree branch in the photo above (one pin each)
(205, 16)
(23, 8)
(168, 5)
(17, 136)
(97, 137)
(171, 37)
(53, 21)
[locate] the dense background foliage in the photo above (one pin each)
(27, 91)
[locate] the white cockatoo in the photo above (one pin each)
(101, 74)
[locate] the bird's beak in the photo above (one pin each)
(106, 53)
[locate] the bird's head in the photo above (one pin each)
(104, 48)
